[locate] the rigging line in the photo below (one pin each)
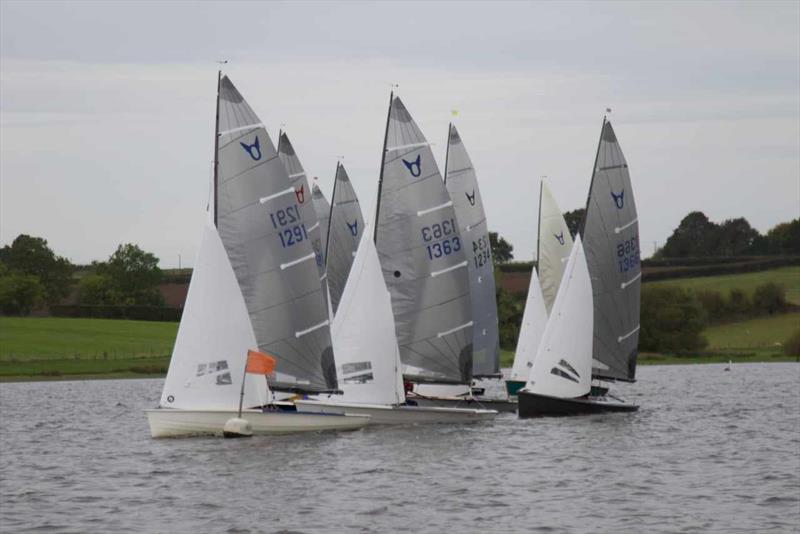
(623, 285)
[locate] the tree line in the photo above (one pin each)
(33, 276)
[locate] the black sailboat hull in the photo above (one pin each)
(536, 405)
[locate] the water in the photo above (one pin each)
(710, 451)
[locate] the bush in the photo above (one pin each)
(20, 293)
(738, 303)
(713, 303)
(770, 298)
(791, 347)
(672, 320)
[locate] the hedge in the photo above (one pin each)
(139, 313)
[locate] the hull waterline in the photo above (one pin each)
(499, 405)
(398, 415)
(172, 423)
(536, 405)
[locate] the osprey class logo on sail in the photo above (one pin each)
(414, 166)
(254, 150)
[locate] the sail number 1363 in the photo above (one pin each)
(439, 239)
(628, 254)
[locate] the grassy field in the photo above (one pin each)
(747, 282)
(61, 347)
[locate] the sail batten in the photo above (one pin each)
(465, 197)
(413, 242)
(611, 239)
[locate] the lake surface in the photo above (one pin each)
(709, 451)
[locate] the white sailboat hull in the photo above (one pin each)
(381, 414)
(171, 423)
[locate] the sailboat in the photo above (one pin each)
(323, 209)
(578, 346)
(254, 286)
(368, 356)
(344, 231)
(487, 388)
(554, 244)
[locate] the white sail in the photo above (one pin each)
(364, 339)
(215, 333)
(563, 364)
(534, 319)
(555, 244)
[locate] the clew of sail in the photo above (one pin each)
(367, 355)
(554, 246)
(611, 239)
(215, 333)
(534, 319)
(269, 246)
(344, 232)
(462, 185)
(302, 192)
(563, 364)
(422, 256)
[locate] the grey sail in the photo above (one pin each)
(323, 210)
(344, 234)
(297, 176)
(611, 241)
(261, 227)
(462, 184)
(423, 258)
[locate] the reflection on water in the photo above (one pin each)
(709, 451)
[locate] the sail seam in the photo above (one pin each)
(623, 285)
(456, 329)
(629, 334)
(618, 229)
(434, 274)
(401, 147)
(285, 266)
(311, 329)
(242, 128)
(266, 199)
(622, 166)
(435, 208)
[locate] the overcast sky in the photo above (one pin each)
(107, 109)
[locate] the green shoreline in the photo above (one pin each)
(53, 373)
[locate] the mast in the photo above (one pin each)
(591, 182)
(216, 148)
(383, 162)
(330, 212)
(447, 151)
(539, 225)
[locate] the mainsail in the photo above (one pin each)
(554, 245)
(344, 234)
(422, 256)
(367, 357)
(563, 363)
(207, 364)
(462, 185)
(611, 239)
(323, 210)
(269, 246)
(297, 176)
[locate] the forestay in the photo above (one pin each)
(297, 176)
(563, 364)
(422, 256)
(207, 364)
(554, 246)
(462, 185)
(611, 240)
(323, 210)
(367, 355)
(267, 241)
(344, 231)
(534, 320)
